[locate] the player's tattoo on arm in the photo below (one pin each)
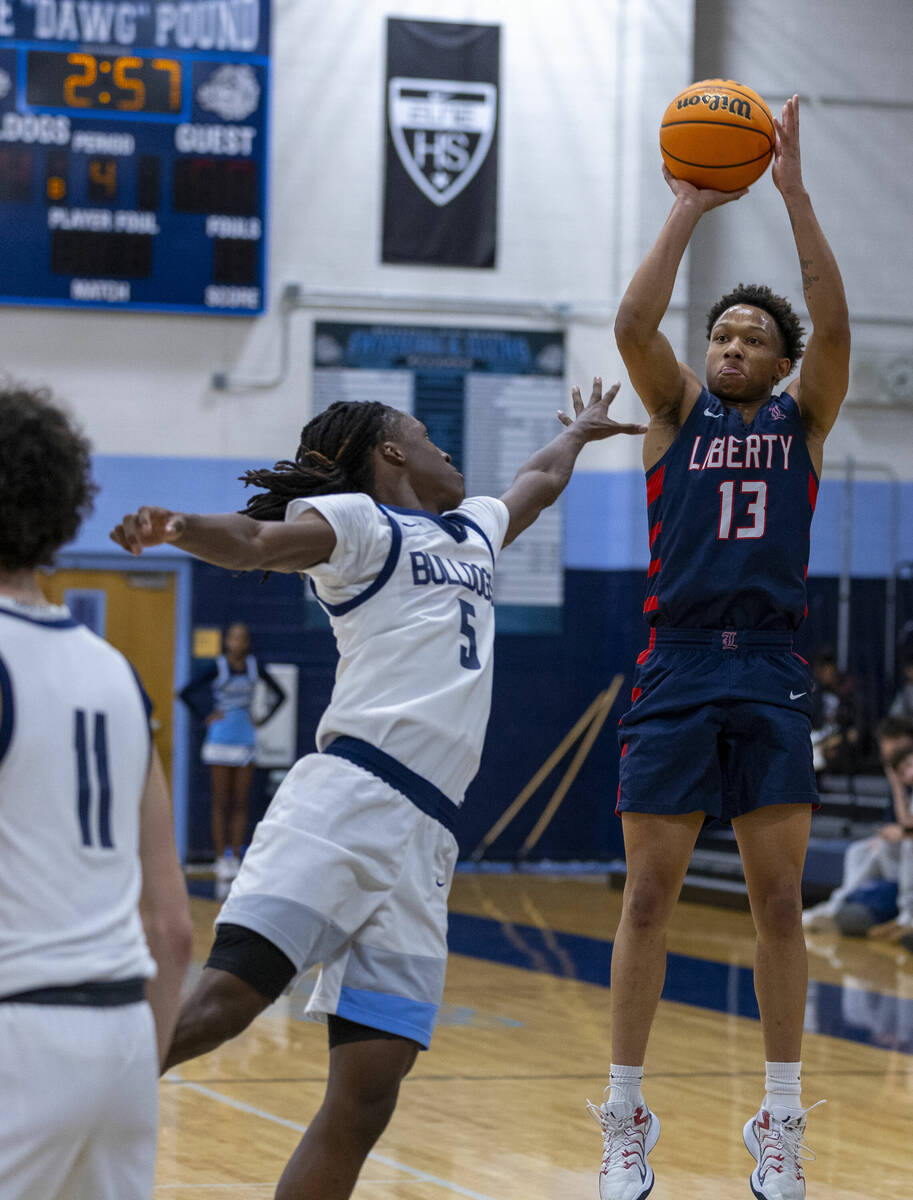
(808, 280)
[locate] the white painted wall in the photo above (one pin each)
(851, 65)
(584, 84)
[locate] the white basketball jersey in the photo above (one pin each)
(409, 596)
(74, 754)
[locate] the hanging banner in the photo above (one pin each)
(441, 173)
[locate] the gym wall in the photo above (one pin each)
(584, 84)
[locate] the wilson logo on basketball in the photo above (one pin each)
(717, 133)
(714, 101)
(442, 130)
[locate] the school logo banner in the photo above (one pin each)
(440, 188)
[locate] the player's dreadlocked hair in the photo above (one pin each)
(46, 487)
(334, 455)
(760, 296)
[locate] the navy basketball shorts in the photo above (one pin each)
(719, 723)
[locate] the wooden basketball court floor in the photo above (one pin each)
(496, 1109)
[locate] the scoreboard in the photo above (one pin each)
(133, 154)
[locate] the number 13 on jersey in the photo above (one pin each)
(755, 510)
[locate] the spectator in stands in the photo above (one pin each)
(900, 774)
(833, 727)
(877, 857)
(902, 704)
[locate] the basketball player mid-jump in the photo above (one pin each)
(352, 863)
(719, 722)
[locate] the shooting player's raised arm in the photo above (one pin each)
(824, 373)
(661, 381)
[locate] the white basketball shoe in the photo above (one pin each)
(819, 919)
(629, 1134)
(774, 1137)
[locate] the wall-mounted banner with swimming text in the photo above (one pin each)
(441, 172)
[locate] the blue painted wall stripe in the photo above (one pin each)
(605, 513)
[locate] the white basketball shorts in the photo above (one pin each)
(347, 872)
(80, 1102)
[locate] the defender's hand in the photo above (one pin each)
(704, 198)
(592, 420)
(787, 165)
(148, 526)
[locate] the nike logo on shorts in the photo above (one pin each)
(796, 695)
(708, 413)
(441, 882)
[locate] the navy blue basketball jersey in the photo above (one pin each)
(730, 507)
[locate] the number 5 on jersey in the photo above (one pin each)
(84, 781)
(469, 656)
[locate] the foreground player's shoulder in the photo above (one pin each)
(367, 539)
(489, 516)
(340, 509)
(121, 671)
(358, 523)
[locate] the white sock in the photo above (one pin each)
(624, 1085)
(783, 1082)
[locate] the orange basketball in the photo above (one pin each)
(717, 134)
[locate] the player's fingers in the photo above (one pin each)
(670, 179)
(577, 401)
(622, 427)
(174, 526)
(564, 418)
(612, 392)
(131, 540)
(632, 428)
(596, 393)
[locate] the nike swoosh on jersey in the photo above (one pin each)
(796, 695)
(708, 413)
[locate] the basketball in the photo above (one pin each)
(717, 134)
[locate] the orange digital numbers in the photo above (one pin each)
(173, 70)
(136, 89)
(102, 180)
(123, 83)
(86, 76)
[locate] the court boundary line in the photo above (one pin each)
(417, 1174)
(581, 1076)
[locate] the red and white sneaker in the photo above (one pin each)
(774, 1137)
(629, 1134)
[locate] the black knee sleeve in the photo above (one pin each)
(252, 958)
(341, 1031)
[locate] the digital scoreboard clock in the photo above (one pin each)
(133, 154)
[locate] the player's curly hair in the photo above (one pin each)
(46, 486)
(334, 455)
(760, 296)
